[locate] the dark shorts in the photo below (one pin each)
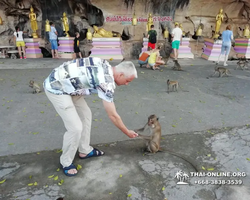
(76, 49)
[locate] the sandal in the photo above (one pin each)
(66, 169)
(94, 153)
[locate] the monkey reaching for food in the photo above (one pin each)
(154, 140)
(35, 86)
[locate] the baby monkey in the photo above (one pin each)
(222, 71)
(153, 141)
(177, 66)
(242, 63)
(173, 85)
(35, 86)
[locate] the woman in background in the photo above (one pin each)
(155, 59)
(18, 39)
(227, 37)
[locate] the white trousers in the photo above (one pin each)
(77, 119)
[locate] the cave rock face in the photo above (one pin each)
(84, 14)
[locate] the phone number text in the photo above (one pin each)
(218, 182)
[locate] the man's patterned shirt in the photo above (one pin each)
(82, 77)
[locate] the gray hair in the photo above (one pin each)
(127, 68)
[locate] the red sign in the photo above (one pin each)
(119, 18)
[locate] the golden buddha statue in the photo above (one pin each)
(47, 26)
(134, 20)
(219, 18)
(89, 35)
(65, 24)
(166, 33)
(1, 21)
(246, 32)
(181, 27)
(199, 31)
(101, 32)
(33, 22)
(150, 22)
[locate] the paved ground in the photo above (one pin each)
(207, 125)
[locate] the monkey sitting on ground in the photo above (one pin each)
(221, 70)
(154, 140)
(242, 63)
(177, 66)
(35, 86)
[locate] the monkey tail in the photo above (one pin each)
(183, 158)
(182, 89)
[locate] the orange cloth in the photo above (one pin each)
(144, 56)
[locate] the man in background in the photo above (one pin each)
(152, 38)
(53, 40)
(176, 39)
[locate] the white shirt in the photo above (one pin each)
(177, 32)
(82, 76)
(20, 36)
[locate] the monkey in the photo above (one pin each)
(221, 70)
(173, 85)
(35, 86)
(242, 63)
(153, 144)
(177, 66)
(153, 141)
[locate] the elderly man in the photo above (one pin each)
(66, 86)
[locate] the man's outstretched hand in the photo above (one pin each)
(132, 134)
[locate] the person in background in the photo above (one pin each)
(176, 40)
(76, 46)
(152, 37)
(155, 59)
(18, 39)
(227, 38)
(143, 57)
(53, 40)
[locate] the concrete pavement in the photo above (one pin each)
(207, 125)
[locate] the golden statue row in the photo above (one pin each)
(101, 32)
(34, 27)
(219, 19)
